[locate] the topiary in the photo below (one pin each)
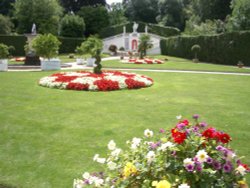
(195, 48)
(113, 48)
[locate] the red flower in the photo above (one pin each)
(133, 84)
(185, 122)
(209, 133)
(224, 138)
(178, 137)
(107, 85)
(77, 86)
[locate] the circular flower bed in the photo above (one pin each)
(144, 61)
(107, 81)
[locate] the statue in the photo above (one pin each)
(146, 29)
(135, 27)
(33, 29)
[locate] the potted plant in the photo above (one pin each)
(47, 46)
(4, 53)
(196, 48)
(240, 64)
(91, 46)
(144, 44)
(113, 49)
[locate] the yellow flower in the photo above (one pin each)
(161, 184)
(242, 182)
(129, 169)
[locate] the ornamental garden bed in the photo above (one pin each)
(88, 81)
(143, 61)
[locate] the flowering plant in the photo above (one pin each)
(143, 61)
(197, 156)
(106, 81)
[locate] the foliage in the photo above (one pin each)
(6, 7)
(171, 13)
(225, 49)
(68, 45)
(145, 43)
(75, 5)
(98, 66)
(116, 14)
(46, 45)
(4, 51)
(95, 18)
(193, 155)
(240, 19)
(17, 41)
(91, 46)
(142, 10)
(5, 25)
(72, 26)
(44, 13)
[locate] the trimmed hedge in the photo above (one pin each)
(225, 49)
(18, 41)
(152, 28)
(69, 44)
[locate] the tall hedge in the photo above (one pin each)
(225, 49)
(69, 44)
(152, 28)
(18, 41)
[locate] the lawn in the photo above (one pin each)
(174, 63)
(48, 137)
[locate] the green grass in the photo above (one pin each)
(174, 63)
(48, 136)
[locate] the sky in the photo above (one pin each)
(113, 1)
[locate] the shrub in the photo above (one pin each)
(68, 45)
(195, 48)
(17, 41)
(91, 46)
(4, 51)
(225, 49)
(46, 45)
(113, 48)
(72, 26)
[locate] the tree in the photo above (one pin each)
(5, 25)
(75, 5)
(44, 13)
(144, 44)
(116, 14)
(6, 6)
(95, 18)
(72, 26)
(240, 19)
(211, 9)
(171, 13)
(142, 10)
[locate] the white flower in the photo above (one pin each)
(166, 145)
(95, 157)
(135, 143)
(111, 145)
(98, 182)
(184, 185)
(241, 170)
(188, 161)
(179, 117)
(101, 160)
(148, 133)
(202, 156)
(78, 183)
(112, 165)
(116, 152)
(86, 176)
(150, 156)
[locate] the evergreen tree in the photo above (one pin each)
(6, 7)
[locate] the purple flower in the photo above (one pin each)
(190, 168)
(209, 160)
(196, 116)
(227, 168)
(153, 145)
(162, 131)
(195, 129)
(203, 124)
(220, 148)
(199, 167)
(217, 165)
(180, 126)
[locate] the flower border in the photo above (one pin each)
(143, 61)
(88, 81)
